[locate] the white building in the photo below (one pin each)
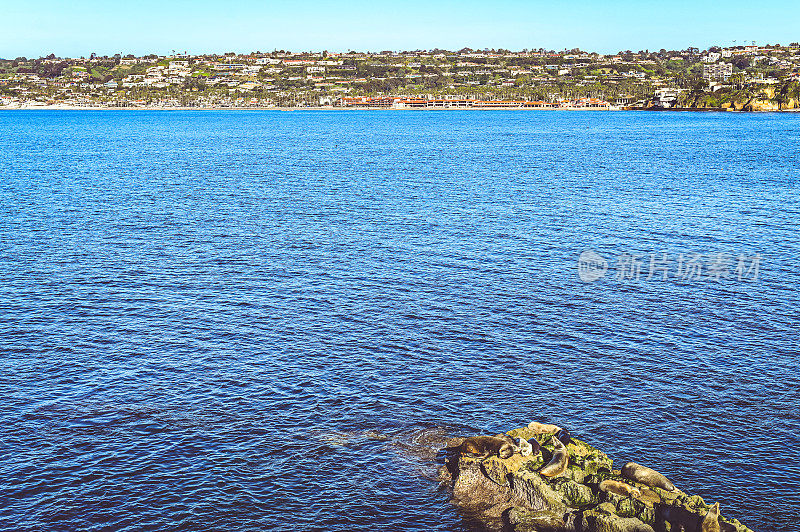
(667, 97)
(717, 71)
(636, 74)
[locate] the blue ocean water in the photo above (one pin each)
(251, 320)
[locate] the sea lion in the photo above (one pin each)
(514, 442)
(620, 488)
(535, 447)
(486, 446)
(525, 447)
(563, 436)
(558, 463)
(541, 428)
(711, 521)
(505, 437)
(521, 445)
(645, 475)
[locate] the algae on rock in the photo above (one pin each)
(510, 493)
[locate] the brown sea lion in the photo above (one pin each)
(542, 428)
(645, 475)
(521, 445)
(620, 488)
(486, 446)
(505, 437)
(558, 463)
(711, 521)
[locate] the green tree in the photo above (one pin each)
(794, 93)
(737, 81)
(697, 92)
(782, 93)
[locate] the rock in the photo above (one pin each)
(612, 523)
(510, 494)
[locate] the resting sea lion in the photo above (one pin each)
(521, 445)
(558, 464)
(563, 436)
(505, 437)
(620, 488)
(711, 521)
(486, 446)
(645, 475)
(514, 442)
(525, 447)
(541, 428)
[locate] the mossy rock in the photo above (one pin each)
(612, 523)
(635, 508)
(524, 520)
(535, 463)
(575, 473)
(696, 502)
(607, 507)
(575, 494)
(533, 489)
(522, 432)
(512, 489)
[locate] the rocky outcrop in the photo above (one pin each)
(510, 494)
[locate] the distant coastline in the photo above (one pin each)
(306, 108)
(330, 108)
(740, 78)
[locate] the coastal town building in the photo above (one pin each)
(540, 79)
(718, 71)
(667, 97)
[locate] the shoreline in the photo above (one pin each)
(323, 108)
(285, 109)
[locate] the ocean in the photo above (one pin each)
(235, 320)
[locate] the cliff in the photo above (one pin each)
(755, 99)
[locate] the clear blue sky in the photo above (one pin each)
(76, 28)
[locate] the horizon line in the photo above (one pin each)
(500, 50)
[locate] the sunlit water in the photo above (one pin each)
(215, 320)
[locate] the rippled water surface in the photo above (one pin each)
(251, 320)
